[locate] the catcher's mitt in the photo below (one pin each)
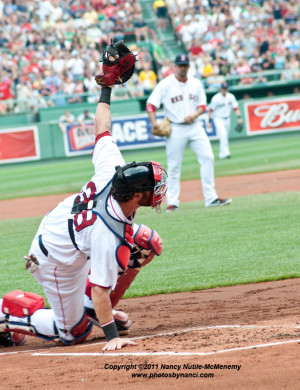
(163, 129)
(239, 127)
(118, 65)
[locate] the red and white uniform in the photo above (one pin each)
(180, 99)
(221, 107)
(63, 272)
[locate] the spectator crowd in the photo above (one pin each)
(50, 49)
(238, 37)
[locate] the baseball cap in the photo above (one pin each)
(224, 86)
(182, 59)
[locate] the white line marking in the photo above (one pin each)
(182, 331)
(171, 353)
(177, 332)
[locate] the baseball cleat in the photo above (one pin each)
(10, 339)
(220, 202)
(171, 208)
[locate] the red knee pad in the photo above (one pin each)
(81, 331)
(21, 304)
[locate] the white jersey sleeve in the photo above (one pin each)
(213, 103)
(106, 157)
(104, 267)
(234, 102)
(158, 94)
(202, 99)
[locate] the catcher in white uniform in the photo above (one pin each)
(89, 233)
(184, 100)
(219, 111)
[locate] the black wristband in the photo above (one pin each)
(110, 331)
(105, 95)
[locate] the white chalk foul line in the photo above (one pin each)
(177, 332)
(188, 330)
(163, 353)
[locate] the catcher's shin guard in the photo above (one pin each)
(123, 283)
(125, 280)
(18, 307)
(24, 314)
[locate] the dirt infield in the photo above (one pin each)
(232, 186)
(237, 327)
(240, 337)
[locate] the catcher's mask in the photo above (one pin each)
(141, 177)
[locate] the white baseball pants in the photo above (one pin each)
(195, 137)
(64, 286)
(222, 128)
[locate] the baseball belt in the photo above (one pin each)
(42, 246)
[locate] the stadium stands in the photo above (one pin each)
(50, 49)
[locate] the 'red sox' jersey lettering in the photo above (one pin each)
(193, 97)
(177, 99)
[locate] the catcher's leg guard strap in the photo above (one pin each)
(40, 324)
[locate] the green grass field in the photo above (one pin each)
(253, 155)
(254, 239)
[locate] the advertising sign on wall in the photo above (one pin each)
(274, 115)
(129, 133)
(19, 145)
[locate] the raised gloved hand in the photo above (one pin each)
(118, 65)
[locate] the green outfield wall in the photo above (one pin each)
(24, 139)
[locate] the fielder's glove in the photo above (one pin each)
(118, 65)
(162, 129)
(239, 127)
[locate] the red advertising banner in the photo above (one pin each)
(274, 115)
(19, 145)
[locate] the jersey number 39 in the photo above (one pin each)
(86, 217)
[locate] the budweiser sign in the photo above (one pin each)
(274, 115)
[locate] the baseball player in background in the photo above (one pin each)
(89, 233)
(219, 112)
(184, 100)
